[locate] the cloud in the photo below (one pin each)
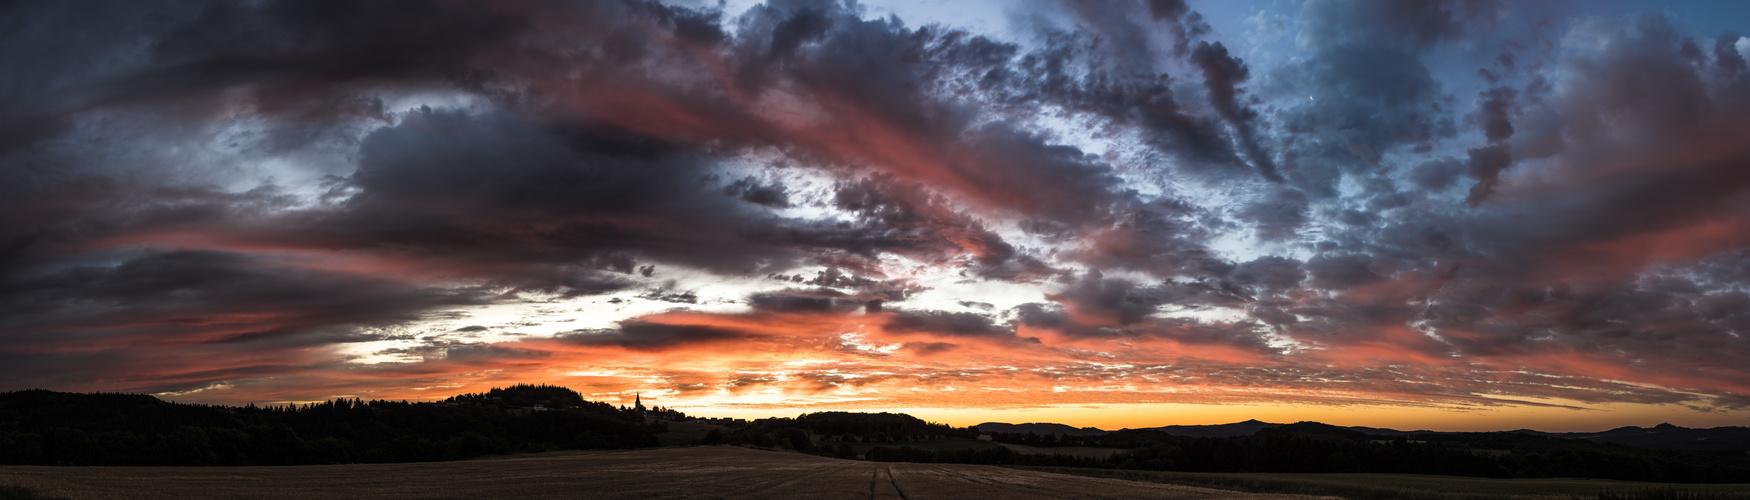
(243, 198)
(944, 323)
(1222, 74)
(230, 314)
(644, 335)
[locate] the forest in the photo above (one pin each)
(1306, 447)
(802, 432)
(39, 427)
(1311, 447)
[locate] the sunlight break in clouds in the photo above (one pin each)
(1115, 213)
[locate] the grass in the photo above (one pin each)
(1421, 487)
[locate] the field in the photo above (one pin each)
(1414, 487)
(976, 444)
(946, 444)
(693, 472)
(1080, 451)
(685, 433)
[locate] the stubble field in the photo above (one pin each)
(693, 472)
(1422, 487)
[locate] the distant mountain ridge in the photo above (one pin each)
(1235, 429)
(1039, 428)
(1666, 436)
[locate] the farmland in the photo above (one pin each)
(1080, 451)
(1422, 487)
(694, 472)
(685, 433)
(945, 444)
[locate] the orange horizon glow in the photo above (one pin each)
(783, 364)
(1109, 218)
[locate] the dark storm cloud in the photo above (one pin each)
(889, 81)
(1436, 174)
(648, 336)
(1083, 321)
(215, 310)
(1363, 90)
(1496, 106)
(1111, 301)
(1279, 214)
(1148, 103)
(177, 286)
(294, 58)
(503, 190)
(501, 200)
(1163, 238)
(1339, 272)
(1095, 300)
(817, 300)
(1106, 62)
(878, 74)
(1222, 74)
(904, 218)
(1726, 55)
(1566, 266)
(752, 191)
(1486, 164)
(1269, 274)
(953, 324)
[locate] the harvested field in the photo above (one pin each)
(1079, 451)
(1423, 487)
(685, 433)
(946, 444)
(696, 472)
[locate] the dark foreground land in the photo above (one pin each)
(671, 472)
(734, 472)
(1427, 487)
(695, 472)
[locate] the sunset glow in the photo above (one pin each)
(1418, 215)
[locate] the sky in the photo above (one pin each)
(1467, 215)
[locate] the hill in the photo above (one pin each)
(1667, 436)
(1038, 428)
(1662, 436)
(40, 427)
(1245, 428)
(1312, 447)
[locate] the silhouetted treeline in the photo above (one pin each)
(525, 396)
(51, 428)
(1314, 447)
(981, 456)
(878, 427)
(1116, 439)
(829, 433)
